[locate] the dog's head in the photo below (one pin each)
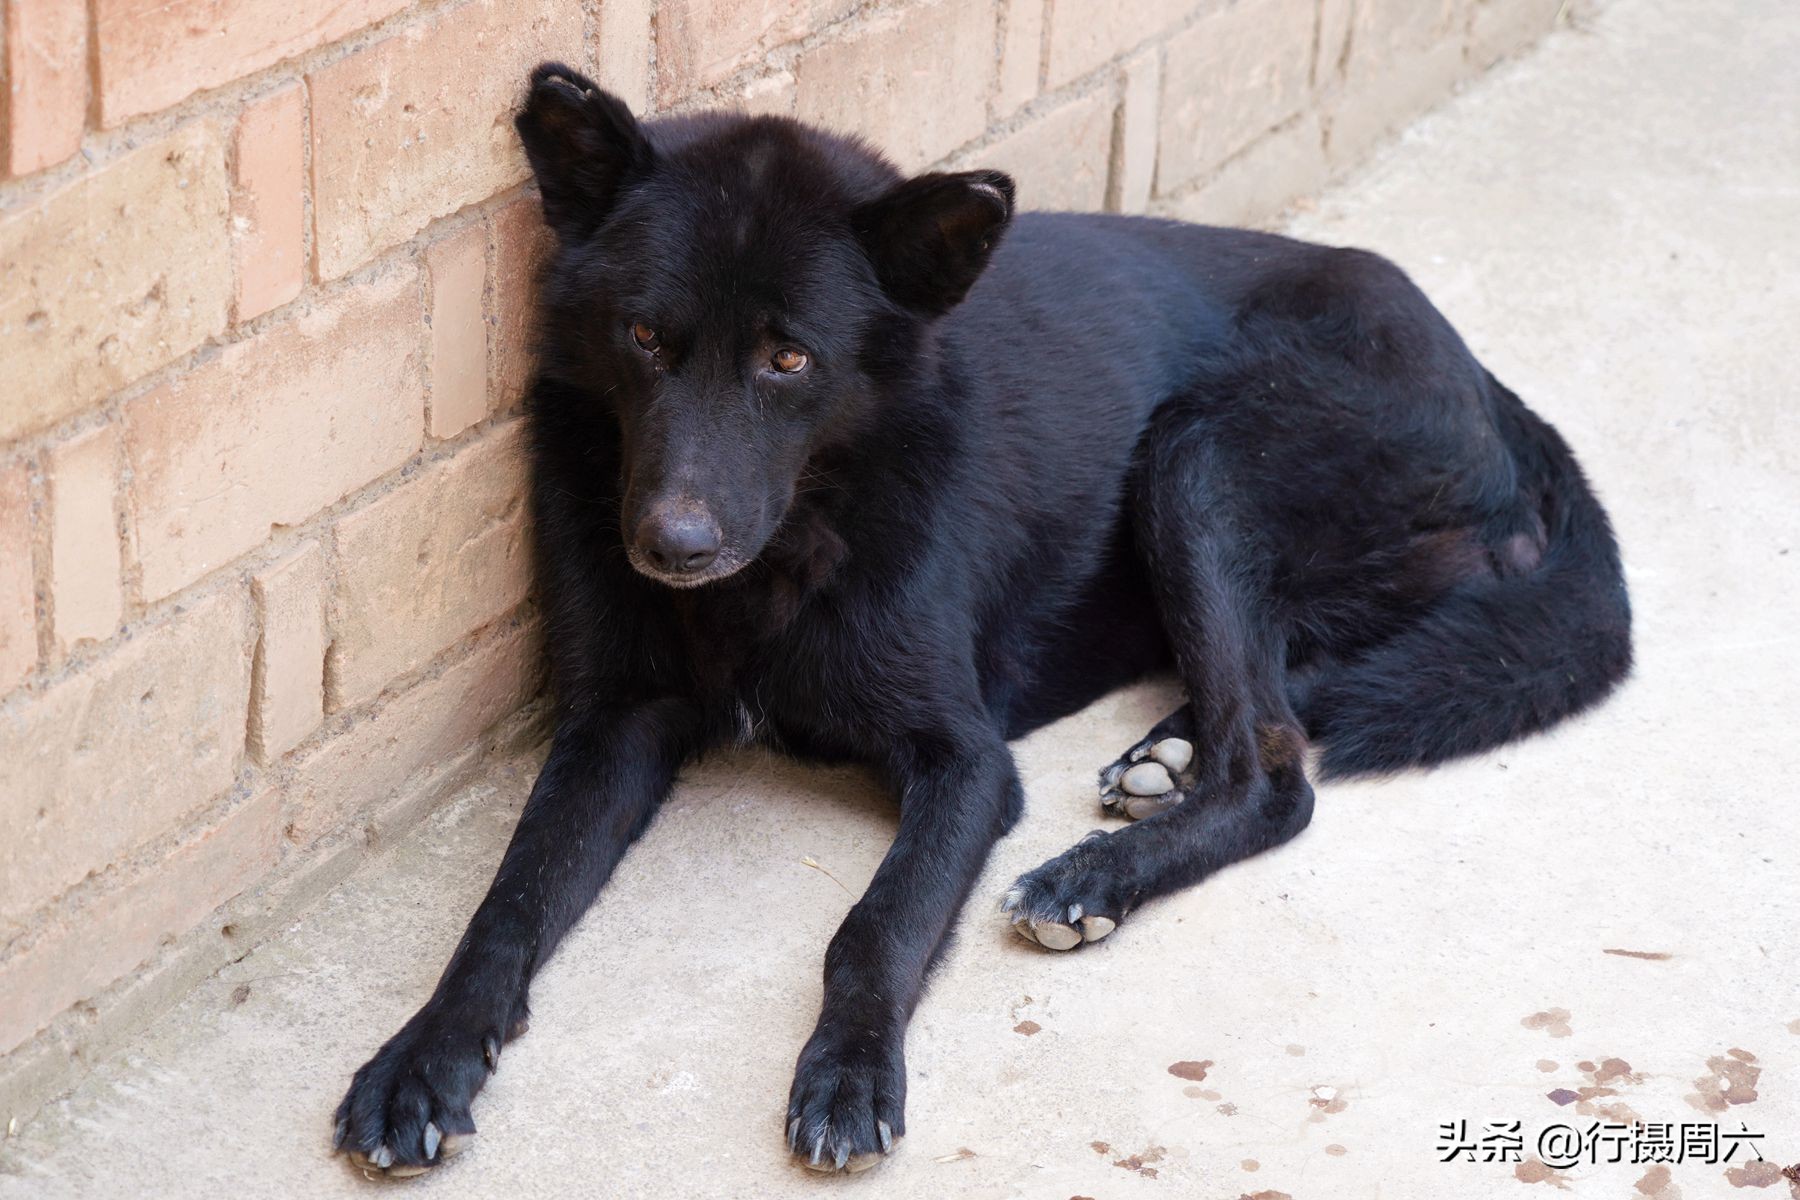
(728, 288)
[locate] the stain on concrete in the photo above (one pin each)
(1188, 1069)
(1754, 1175)
(1297, 1051)
(1563, 1096)
(1208, 1094)
(1027, 1028)
(1554, 1021)
(1731, 1081)
(1536, 1170)
(1646, 955)
(1228, 1109)
(1265, 1196)
(1196, 1093)
(1794, 1026)
(1336, 1151)
(1657, 1184)
(1101, 1147)
(1140, 1163)
(1325, 1101)
(1546, 1065)
(1250, 1164)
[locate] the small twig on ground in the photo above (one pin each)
(810, 861)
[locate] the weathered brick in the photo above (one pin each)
(274, 428)
(83, 479)
(112, 276)
(520, 242)
(1021, 55)
(413, 732)
(1253, 188)
(111, 757)
(46, 81)
(18, 604)
(267, 226)
(1234, 75)
(914, 82)
(1059, 160)
(625, 51)
(153, 53)
(1084, 35)
(1404, 56)
(457, 270)
(287, 691)
(700, 42)
(771, 95)
(84, 953)
(1498, 28)
(439, 556)
(404, 131)
(1134, 172)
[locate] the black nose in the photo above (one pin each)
(679, 542)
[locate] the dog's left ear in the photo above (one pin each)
(584, 145)
(930, 237)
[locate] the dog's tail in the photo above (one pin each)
(1500, 657)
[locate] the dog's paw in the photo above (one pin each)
(1149, 778)
(847, 1107)
(408, 1107)
(1071, 900)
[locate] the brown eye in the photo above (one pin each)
(788, 360)
(648, 340)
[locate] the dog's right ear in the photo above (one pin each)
(583, 144)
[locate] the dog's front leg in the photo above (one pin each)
(604, 777)
(958, 794)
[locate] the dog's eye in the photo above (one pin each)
(789, 361)
(648, 340)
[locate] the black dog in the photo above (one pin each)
(821, 461)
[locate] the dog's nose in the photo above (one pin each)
(679, 542)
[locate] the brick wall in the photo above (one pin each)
(265, 265)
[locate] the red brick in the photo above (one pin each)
(1060, 158)
(1085, 35)
(46, 81)
(83, 479)
(18, 603)
(1134, 173)
(436, 558)
(1230, 78)
(121, 752)
(625, 38)
(520, 242)
(287, 692)
(153, 53)
(85, 952)
(1498, 28)
(1404, 56)
(274, 428)
(701, 42)
(112, 276)
(913, 82)
(1254, 187)
(457, 269)
(267, 225)
(1021, 55)
(408, 130)
(434, 721)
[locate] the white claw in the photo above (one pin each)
(404, 1171)
(1173, 753)
(887, 1135)
(1056, 936)
(1024, 930)
(433, 1139)
(1095, 928)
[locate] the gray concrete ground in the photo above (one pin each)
(1614, 223)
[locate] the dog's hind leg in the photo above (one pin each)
(1243, 786)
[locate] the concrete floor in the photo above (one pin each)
(1614, 223)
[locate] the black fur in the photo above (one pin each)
(1023, 461)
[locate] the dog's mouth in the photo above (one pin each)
(729, 562)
